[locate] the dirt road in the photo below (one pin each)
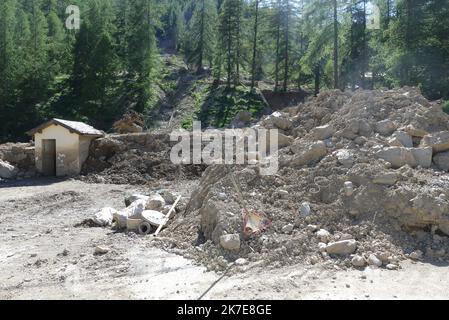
(43, 255)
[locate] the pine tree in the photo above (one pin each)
(202, 33)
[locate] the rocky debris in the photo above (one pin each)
(441, 160)
(7, 171)
(307, 153)
(278, 120)
(345, 247)
(388, 178)
(230, 242)
(400, 156)
(101, 250)
(373, 260)
(358, 261)
(385, 127)
(323, 132)
(401, 139)
(345, 158)
(288, 228)
(323, 235)
(392, 266)
(439, 141)
(416, 255)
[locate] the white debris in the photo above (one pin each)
(230, 242)
(104, 217)
(155, 202)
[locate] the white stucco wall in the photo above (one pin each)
(67, 150)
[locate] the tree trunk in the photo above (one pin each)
(256, 22)
(336, 82)
(286, 53)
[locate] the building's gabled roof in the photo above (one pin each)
(73, 126)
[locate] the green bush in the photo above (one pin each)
(446, 106)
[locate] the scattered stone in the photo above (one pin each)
(241, 262)
(385, 127)
(441, 160)
(345, 157)
(344, 247)
(323, 132)
(401, 139)
(373, 260)
(358, 261)
(101, 250)
(438, 141)
(391, 266)
(323, 235)
(230, 242)
(389, 179)
(307, 153)
(288, 229)
(416, 255)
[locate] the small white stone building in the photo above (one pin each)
(61, 146)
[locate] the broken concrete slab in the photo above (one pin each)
(385, 127)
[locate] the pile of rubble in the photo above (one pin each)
(362, 181)
(136, 159)
(17, 161)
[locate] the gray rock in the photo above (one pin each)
(307, 153)
(345, 157)
(438, 141)
(100, 250)
(401, 139)
(441, 160)
(7, 170)
(344, 247)
(385, 127)
(374, 261)
(423, 156)
(392, 266)
(230, 242)
(323, 235)
(388, 178)
(288, 228)
(323, 132)
(358, 261)
(416, 255)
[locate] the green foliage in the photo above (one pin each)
(446, 106)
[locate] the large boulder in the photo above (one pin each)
(7, 170)
(345, 247)
(397, 156)
(441, 160)
(278, 120)
(438, 141)
(388, 178)
(307, 153)
(401, 139)
(400, 156)
(385, 127)
(423, 156)
(323, 132)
